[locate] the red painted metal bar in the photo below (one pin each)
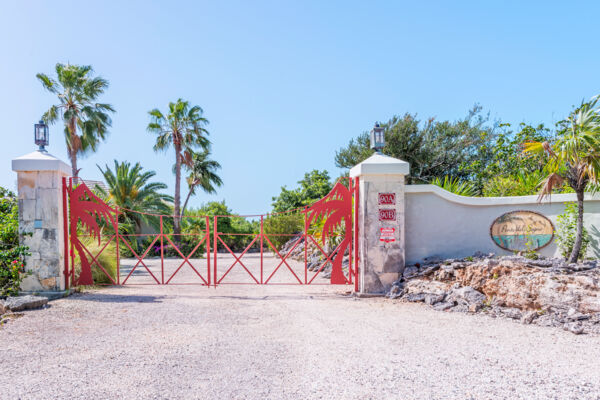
(305, 245)
(186, 260)
(118, 252)
(140, 259)
(356, 232)
(351, 235)
(328, 258)
(262, 236)
(95, 260)
(65, 231)
(162, 255)
(283, 260)
(206, 220)
(215, 238)
(72, 250)
(238, 259)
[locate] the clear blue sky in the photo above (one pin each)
(285, 84)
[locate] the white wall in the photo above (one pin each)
(440, 223)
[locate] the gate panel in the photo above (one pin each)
(328, 238)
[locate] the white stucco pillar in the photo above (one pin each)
(380, 221)
(41, 228)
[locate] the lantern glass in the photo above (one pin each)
(41, 134)
(377, 138)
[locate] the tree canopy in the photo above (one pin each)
(314, 186)
(433, 148)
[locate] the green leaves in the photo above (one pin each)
(86, 121)
(12, 255)
(132, 190)
(314, 186)
(456, 186)
(566, 231)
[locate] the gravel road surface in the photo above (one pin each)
(282, 342)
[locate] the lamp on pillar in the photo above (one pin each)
(377, 138)
(41, 135)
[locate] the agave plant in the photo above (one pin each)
(456, 186)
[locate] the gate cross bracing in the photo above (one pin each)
(208, 254)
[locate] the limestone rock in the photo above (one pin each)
(574, 327)
(21, 303)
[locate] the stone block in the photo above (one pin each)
(27, 210)
(47, 180)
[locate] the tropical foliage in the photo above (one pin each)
(314, 186)
(566, 232)
(281, 228)
(572, 159)
(433, 148)
(86, 121)
(454, 185)
(236, 231)
(184, 128)
(12, 255)
(202, 174)
(131, 189)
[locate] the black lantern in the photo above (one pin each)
(377, 138)
(41, 135)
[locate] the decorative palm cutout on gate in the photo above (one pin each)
(335, 209)
(88, 208)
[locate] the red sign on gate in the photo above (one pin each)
(387, 214)
(387, 199)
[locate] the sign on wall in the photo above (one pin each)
(387, 235)
(387, 214)
(387, 199)
(522, 230)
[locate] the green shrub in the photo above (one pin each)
(107, 259)
(456, 186)
(566, 229)
(287, 224)
(12, 255)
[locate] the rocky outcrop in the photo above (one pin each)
(547, 292)
(21, 303)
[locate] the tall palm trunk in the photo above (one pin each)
(177, 197)
(579, 235)
(186, 202)
(73, 150)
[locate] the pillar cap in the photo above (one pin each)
(40, 161)
(380, 164)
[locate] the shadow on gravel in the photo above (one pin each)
(116, 298)
(277, 297)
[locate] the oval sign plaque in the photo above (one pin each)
(522, 230)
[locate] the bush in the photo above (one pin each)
(108, 260)
(566, 229)
(287, 224)
(12, 255)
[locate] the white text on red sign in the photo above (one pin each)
(387, 198)
(387, 214)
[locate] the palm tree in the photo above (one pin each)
(574, 158)
(184, 128)
(86, 121)
(131, 190)
(203, 174)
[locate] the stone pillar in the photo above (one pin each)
(380, 221)
(39, 181)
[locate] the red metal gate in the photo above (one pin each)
(97, 234)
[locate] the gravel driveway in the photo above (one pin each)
(283, 342)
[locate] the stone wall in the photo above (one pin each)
(39, 181)
(40, 208)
